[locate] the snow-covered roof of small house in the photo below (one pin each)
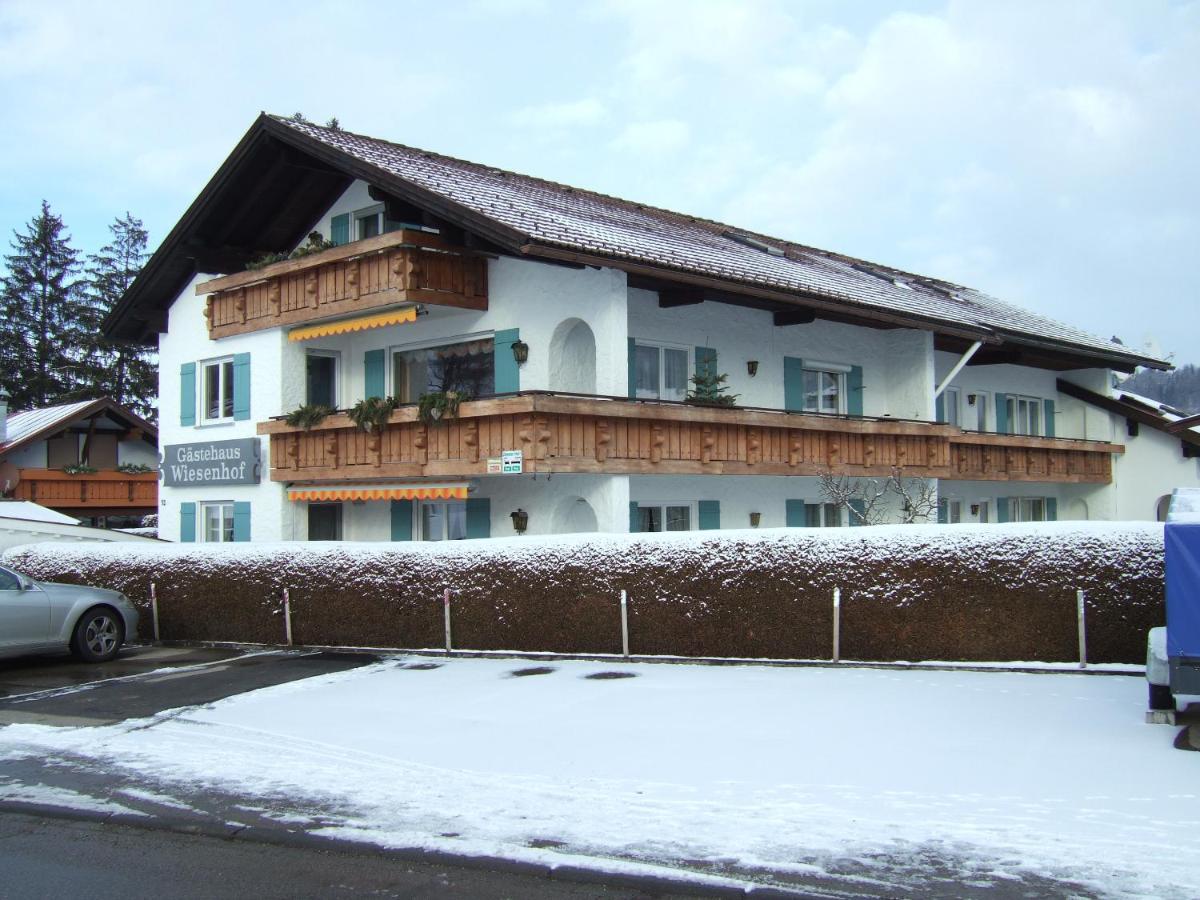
(34, 424)
(1168, 412)
(32, 512)
(536, 218)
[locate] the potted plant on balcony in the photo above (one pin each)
(709, 389)
(437, 406)
(308, 416)
(373, 413)
(133, 469)
(80, 469)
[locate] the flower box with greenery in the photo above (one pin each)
(308, 416)
(437, 406)
(709, 389)
(134, 468)
(80, 469)
(373, 413)
(316, 243)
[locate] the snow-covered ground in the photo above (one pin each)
(729, 768)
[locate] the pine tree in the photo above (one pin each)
(127, 373)
(43, 341)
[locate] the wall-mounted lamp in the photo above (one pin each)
(971, 399)
(752, 367)
(755, 518)
(974, 509)
(520, 520)
(520, 351)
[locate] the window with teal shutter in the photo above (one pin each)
(943, 512)
(479, 517)
(858, 509)
(374, 381)
(854, 391)
(793, 384)
(402, 520)
(187, 523)
(1049, 406)
(508, 373)
(632, 371)
(187, 395)
(241, 521)
(634, 522)
(709, 514)
(939, 408)
(794, 516)
(1051, 506)
(241, 386)
(1002, 509)
(1002, 417)
(339, 229)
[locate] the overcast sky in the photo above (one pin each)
(1046, 152)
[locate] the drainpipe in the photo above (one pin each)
(3, 415)
(958, 367)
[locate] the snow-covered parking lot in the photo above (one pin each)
(748, 768)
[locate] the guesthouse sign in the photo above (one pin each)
(211, 463)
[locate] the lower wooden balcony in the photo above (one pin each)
(100, 490)
(560, 433)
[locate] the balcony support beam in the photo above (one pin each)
(958, 367)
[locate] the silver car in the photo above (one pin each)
(46, 617)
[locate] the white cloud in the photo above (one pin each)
(588, 111)
(656, 138)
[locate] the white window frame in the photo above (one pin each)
(839, 372)
(660, 346)
(692, 507)
(1015, 508)
(419, 519)
(982, 404)
(336, 356)
(221, 505)
(222, 383)
(1034, 402)
(392, 349)
(954, 507)
(987, 508)
(952, 399)
(377, 212)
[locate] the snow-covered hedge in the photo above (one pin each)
(996, 592)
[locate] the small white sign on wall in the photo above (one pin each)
(495, 465)
(512, 462)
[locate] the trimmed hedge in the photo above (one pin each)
(995, 592)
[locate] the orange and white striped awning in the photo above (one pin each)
(400, 316)
(447, 491)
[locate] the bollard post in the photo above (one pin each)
(154, 609)
(624, 625)
(287, 615)
(446, 606)
(1082, 619)
(837, 624)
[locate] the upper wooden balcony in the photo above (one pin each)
(398, 267)
(99, 490)
(562, 433)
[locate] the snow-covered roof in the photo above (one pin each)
(32, 424)
(32, 512)
(1168, 412)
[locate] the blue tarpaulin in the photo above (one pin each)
(1182, 536)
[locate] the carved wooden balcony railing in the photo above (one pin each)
(564, 433)
(390, 269)
(107, 489)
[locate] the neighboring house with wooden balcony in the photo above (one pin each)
(568, 325)
(94, 460)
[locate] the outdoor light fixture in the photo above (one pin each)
(755, 518)
(520, 351)
(974, 509)
(752, 367)
(970, 399)
(520, 520)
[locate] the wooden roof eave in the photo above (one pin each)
(1138, 413)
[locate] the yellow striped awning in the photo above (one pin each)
(358, 323)
(454, 491)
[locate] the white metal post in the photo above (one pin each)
(837, 624)
(446, 606)
(624, 625)
(1081, 616)
(287, 615)
(154, 609)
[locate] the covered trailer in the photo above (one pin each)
(1173, 654)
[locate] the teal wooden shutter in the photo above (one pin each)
(339, 229)
(1001, 509)
(812, 515)
(374, 383)
(706, 362)
(943, 509)
(794, 513)
(793, 384)
(187, 523)
(402, 520)
(1051, 506)
(858, 507)
(854, 391)
(508, 374)
(241, 521)
(187, 395)
(1048, 405)
(479, 517)
(632, 370)
(1002, 415)
(709, 514)
(634, 519)
(241, 387)
(939, 408)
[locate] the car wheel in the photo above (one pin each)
(1160, 697)
(98, 635)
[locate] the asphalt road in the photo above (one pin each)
(51, 858)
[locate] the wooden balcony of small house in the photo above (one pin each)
(106, 489)
(565, 433)
(390, 269)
